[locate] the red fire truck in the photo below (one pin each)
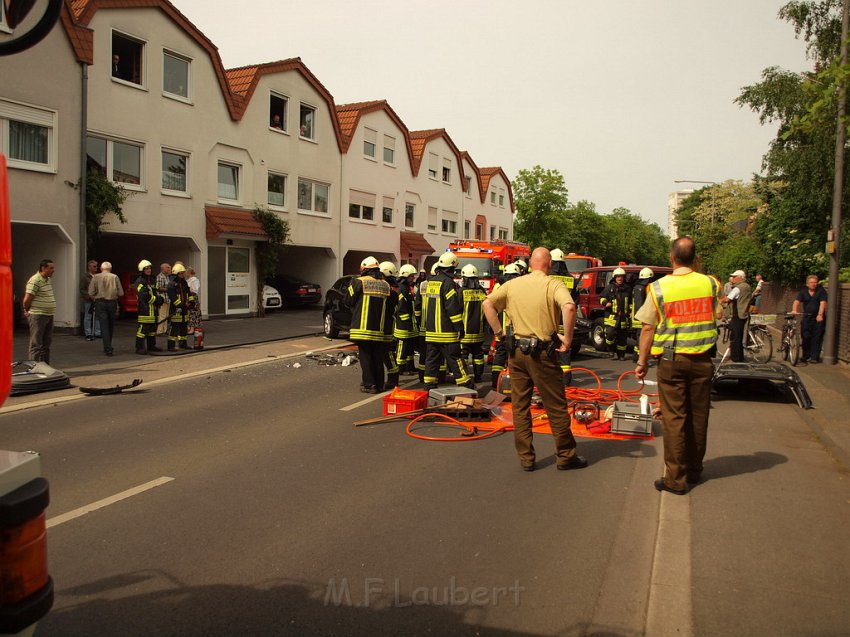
(489, 257)
(578, 263)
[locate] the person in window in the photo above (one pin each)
(276, 122)
(116, 67)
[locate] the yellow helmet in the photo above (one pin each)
(447, 260)
(178, 268)
(512, 268)
(469, 270)
(646, 273)
(388, 268)
(557, 254)
(144, 263)
(368, 262)
(406, 270)
(618, 272)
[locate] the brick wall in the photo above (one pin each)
(776, 299)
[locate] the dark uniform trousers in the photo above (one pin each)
(684, 387)
(372, 355)
(539, 370)
(440, 355)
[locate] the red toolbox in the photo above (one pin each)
(400, 401)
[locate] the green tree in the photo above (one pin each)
(540, 197)
(268, 252)
(102, 198)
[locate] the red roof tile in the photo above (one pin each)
(413, 243)
(420, 138)
(487, 174)
(349, 116)
(80, 37)
(232, 221)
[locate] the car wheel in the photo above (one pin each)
(597, 335)
(331, 330)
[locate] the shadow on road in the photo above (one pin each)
(728, 466)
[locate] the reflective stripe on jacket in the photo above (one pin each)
(686, 306)
(473, 313)
(620, 297)
(405, 314)
(146, 297)
(367, 297)
(442, 310)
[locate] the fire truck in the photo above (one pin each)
(489, 257)
(578, 263)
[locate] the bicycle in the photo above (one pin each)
(758, 342)
(791, 345)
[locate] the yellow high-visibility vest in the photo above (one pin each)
(686, 304)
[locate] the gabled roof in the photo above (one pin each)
(243, 82)
(482, 194)
(349, 118)
(419, 140)
(487, 175)
(80, 37)
(232, 221)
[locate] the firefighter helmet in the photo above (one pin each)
(522, 265)
(447, 260)
(368, 263)
(434, 267)
(144, 263)
(646, 273)
(178, 268)
(618, 272)
(469, 270)
(557, 254)
(512, 268)
(406, 270)
(388, 269)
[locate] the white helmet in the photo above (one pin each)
(178, 268)
(406, 270)
(368, 262)
(388, 268)
(434, 267)
(522, 265)
(447, 260)
(512, 268)
(144, 263)
(646, 273)
(557, 254)
(469, 270)
(618, 272)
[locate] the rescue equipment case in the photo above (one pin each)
(442, 395)
(629, 420)
(401, 401)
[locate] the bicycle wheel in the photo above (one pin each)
(761, 345)
(785, 347)
(794, 348)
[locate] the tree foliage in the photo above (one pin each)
(268, 252)
(540, 197)
(102, 198)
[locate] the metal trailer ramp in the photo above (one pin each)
(776, 373)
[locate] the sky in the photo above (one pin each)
(622, 97)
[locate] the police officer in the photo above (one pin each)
(389, 272)
(472, 343)
(500, 356)
(560, 272)
(181, 300)
(405, 328)
(536, 303)
(367, 296)
(638, 299)
(442, 317)
(148, 303)
(617, 299)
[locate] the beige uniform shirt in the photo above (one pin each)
(105, 286)
(533, 302)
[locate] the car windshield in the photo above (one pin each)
(577, 264)
(482, 264)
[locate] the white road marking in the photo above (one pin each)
(372, 399)
(94, 506)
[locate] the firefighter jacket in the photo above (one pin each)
(619, 315)
(180, 299)
(406, 319)
(389, 314)
(473, 313)
(146, 298)
(418, 304)
(367, 296)
(442, 310)
(638, 299)
(570, 282)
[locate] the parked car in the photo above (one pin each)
(591, 284)
(335, 316)
(296, 292)
(129, 303)
(271, 298)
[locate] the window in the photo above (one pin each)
(228, 181)
(432, 165)
(128, 56)
(277, 111)
(307, 122)
(118, 161)
(175, 75)
(492, 232)
(449, 226)
(174, 167)
(447, 171)
(479, 231)
(389, 149)
(503, 234)
(409, 210)
(28, 136)
(356, 211)
(313, 196)
(387, 210)
(466, 230)
(276, 190)
(370, 140)
(468, 190)
(501, 199)
(432, 219)
(493, 197)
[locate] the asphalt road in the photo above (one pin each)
(248, 504)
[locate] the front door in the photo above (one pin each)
(238, 280)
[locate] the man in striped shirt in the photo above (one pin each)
(39, 308)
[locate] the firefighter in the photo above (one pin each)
(405, 328)
(500, 357)
(367, 297)
(522, 265)
(148, 304)
(421, 344)
(638, 298)
(442, 317)
(559, 271)
(180, 300)
(617, 300)
(472, 343)
(389, 271)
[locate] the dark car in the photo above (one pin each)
(335, 316)
(295, 292)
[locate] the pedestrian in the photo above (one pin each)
(738, 301)
(405, 328)
(180, 302)
(91, 326)
(39, 306)
(442, 317)
(757, 292)
(811, 301)
(536, 304)
(367, 297)
(472, 343)
(148, 301)
(561, 272)
(105, 288)
(162, 280)
(195, 316)
(617, 300)
(390, 272)
(679, 330)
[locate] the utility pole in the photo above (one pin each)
(833, 238)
